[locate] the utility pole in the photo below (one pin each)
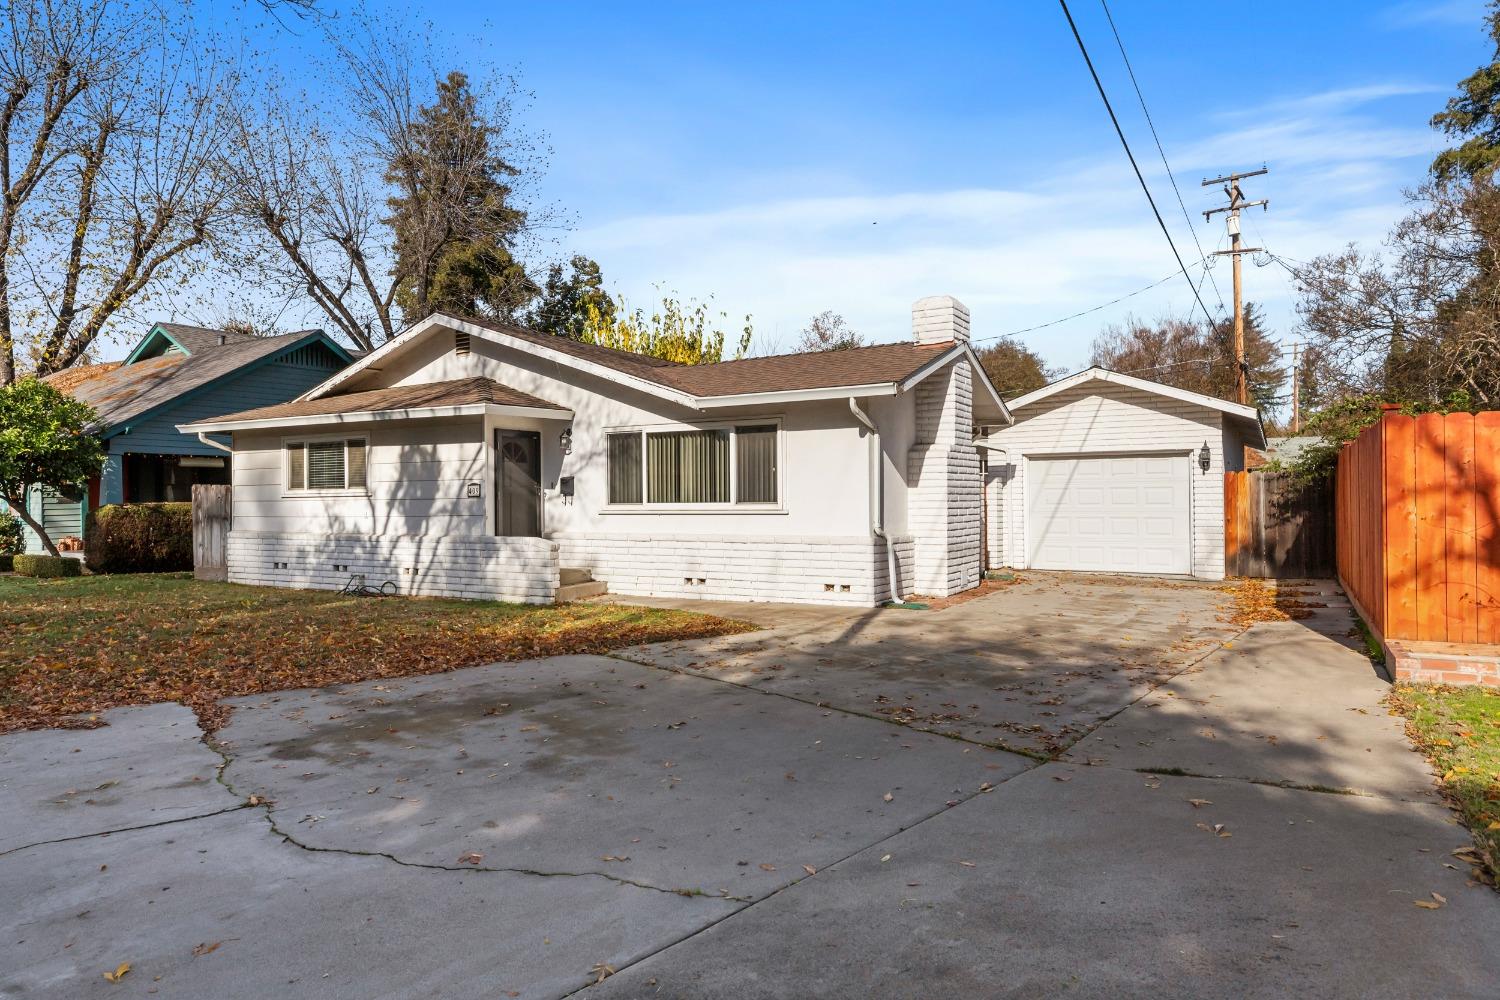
(1237, 201)
(1296, 396)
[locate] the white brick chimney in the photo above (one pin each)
(943, 468)
(939, 319)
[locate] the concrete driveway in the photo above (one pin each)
(1074, 785)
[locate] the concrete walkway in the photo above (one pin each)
(824, 809)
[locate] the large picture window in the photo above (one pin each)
(329, 464)
(719, 466)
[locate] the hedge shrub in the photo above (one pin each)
(10, 533)
(139, 538)
(46, 566)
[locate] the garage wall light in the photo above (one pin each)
(565, 441)
(1204, 457)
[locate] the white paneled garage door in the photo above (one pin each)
(1114, 514)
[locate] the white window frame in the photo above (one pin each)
(287, 490)
(732, 507)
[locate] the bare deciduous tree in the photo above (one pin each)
(828, 331)
(1421, 320)
(117, 114)
(317, 179)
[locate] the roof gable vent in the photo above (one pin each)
(460, 343)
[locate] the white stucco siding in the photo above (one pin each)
(417, 473)
(1100, 418)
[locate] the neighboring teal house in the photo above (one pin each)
(175, 375)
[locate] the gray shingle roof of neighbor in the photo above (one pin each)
(457, 392)
(198, 339)
(121, 393)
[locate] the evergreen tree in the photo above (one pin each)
(1474, 113)
(562, 308)
(452, 217)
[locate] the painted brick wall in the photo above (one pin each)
(847, 570)
(943, 473)
(482, 567)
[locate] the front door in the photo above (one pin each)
(518, 487)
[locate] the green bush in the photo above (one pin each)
(140, 538)
(10, 533)
(46, 566)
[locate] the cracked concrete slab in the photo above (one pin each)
(271, 920)
(1031, 667)
(592, 764)
(148, 765)
(1106, 885)
(1284, 703)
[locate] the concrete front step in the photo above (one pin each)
(578, 591)
(567, 576)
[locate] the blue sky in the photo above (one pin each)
(790, 158)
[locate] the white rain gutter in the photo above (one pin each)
(877, 494)
(203, 436)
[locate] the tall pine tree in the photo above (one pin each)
(452, 216)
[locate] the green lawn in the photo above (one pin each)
(1459, 731)
(85, 644)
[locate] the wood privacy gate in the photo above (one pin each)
(212, 514)
(1276, 528)
(1419, 526)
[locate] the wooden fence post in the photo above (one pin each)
(212, 515)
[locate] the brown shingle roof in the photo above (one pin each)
(874, 365)
(878, 364)
(459, 392)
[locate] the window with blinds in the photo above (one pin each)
(326, 465)
(714, 466)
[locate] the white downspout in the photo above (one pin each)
(203, 436)
(877, 493)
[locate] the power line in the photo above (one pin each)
(1131, 156)
(1082, 312)
(1167, 166)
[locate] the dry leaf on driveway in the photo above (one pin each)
(888, 797)
(810, 869)
(767, 868)
(1195, 803)
(119, 972)
(205, 947)
(472, 858)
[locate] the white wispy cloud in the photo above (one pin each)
(1032, 251)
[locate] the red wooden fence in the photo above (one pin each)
(1417, 505)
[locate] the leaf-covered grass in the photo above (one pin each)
(1458, 729)
(87, 644)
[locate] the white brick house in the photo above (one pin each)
(1106, 472)
(476, 459)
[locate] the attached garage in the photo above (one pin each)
(1108, 473)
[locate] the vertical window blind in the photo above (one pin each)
(296, 467)
(625, 468)
(694, 467)
(687, 467)
(755, 464)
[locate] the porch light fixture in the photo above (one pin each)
(1204, 458)
(565, 440)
